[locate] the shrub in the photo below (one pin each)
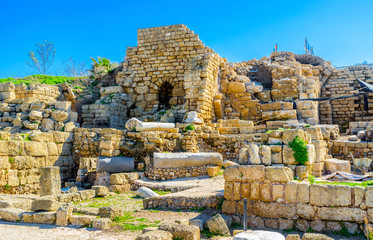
(189, 127)
(299, 146)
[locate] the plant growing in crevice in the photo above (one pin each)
(299, 146)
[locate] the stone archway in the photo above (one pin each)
(164, 96)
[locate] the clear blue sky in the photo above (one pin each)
(340, 31)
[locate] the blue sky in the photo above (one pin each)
(340, 31)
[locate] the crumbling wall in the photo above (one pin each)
(275, 200)
(343, 83)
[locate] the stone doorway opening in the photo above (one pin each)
(164, 96)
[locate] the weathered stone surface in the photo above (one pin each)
(60, 116)
(11, 214)
(101, 191)
(50, 181)
(63, 214)
(132, 123)
(316, 236)
(187, 232)
(82, 220)
(259, 235)
(44, 217)
(275, 210)
(173, 160)
(155, 235)
(334, 165)
(236, 87)
(290, 134)
(342, 214)
(293, 237)
(279, 174)
(228, 163)
(303, 192)
(115, 164)
(253, 154)
(217, 225)
(45, 204)
(245, 173)
(154, 126)
(87, 194)
(265, 154)
(145, 192)
(102, 223)
(110, 212)
(213, 171)
(330, 195)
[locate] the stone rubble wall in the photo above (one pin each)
(341, 149)
(276, 201)
(22, 156)
(35, 107)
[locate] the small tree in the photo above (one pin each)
(43, 57)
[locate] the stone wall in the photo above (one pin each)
(343, 83)
(22, 156)
(275, 200)
(342, 149)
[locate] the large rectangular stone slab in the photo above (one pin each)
(115, 164)
(183, 159)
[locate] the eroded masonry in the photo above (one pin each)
(173, 109)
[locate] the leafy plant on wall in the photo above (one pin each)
(299, 146)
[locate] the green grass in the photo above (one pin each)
(130, 223)
(351, 184)
(50, 80)
(162, 192)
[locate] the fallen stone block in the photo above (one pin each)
(63, 214)
(145, 192)
(213, 171)
(87, 194)
(102, 223)
(45, 204)
(183, 159)
(228, 163)
(316, 236)
(110, 212)
(82, 220)
(155, 235)
(217, 225)
(11, 214)
(334, 165)
(186, 232)
(115, 164)
(132, 123)
(101, 191)
(154, 126)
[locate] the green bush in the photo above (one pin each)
(189, 127)
(299, 147)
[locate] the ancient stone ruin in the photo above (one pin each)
(175, 109)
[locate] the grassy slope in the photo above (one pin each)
(50, 80)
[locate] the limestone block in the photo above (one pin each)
(118, 179)
(36, 149)
(330, 195)
(50, 181)
(236, 87)
(155, 235)
(115, 164)
(341, 214)
(47, 125)
(174, 160)
(87, 194)
(290, 134)
(275, 210)
(63, 105)
(228, 163)
(279, 174)
(266, 156)
(35, 115)
(229, 207)
(265, 192)
(213, 171)
(110, 212)
(187, 232)
(303, 192)
(45, 204)
(313, 236)
(60, 116)
(44, 217)
(243, 156)
(82, 220)
(253, 154)
(101, 191)
(11, 214)
(217, 225)
(334, 165)
(287, 155)
(13, 180)
(70, 126)
(245, 173)
(63, 214)
(104, 223)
